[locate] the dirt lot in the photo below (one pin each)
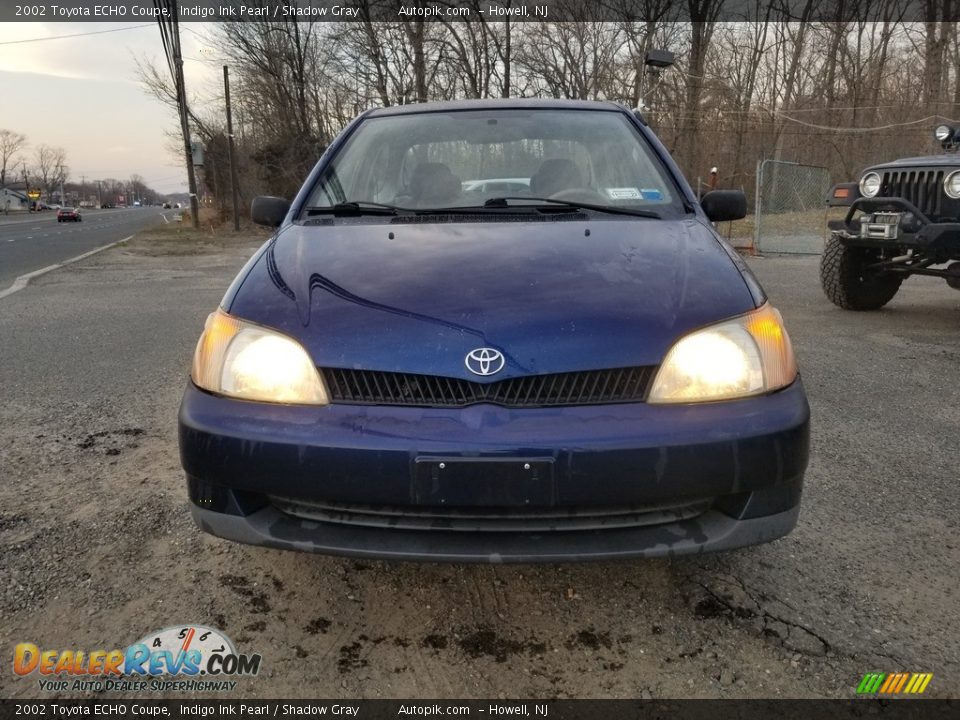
(97, 547)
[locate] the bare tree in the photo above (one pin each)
(571, 59)
(137, 186)
(11, 143)
(49, 167)
(940, 28)
(703, 16)
(804, 80)
(280, 68)
(479, 55)
(741, 50)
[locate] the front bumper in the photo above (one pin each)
(629, 480)
(912, 231)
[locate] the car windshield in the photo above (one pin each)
(490, 159)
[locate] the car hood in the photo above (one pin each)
(553, 296)
(949, 160)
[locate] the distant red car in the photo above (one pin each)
(68, 213)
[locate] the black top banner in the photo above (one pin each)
(498, 710)
(639, 11)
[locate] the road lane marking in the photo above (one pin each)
(22, 281)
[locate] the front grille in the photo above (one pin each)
(923, 188)
(593, 387)
(491, 519)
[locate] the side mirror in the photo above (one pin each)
(723, 205)
(268, 210)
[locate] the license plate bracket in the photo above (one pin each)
(484, 482)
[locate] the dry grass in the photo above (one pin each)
(179, 237)
(740, 233)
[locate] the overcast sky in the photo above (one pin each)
(82, 93)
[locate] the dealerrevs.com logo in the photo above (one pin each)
(187, 658)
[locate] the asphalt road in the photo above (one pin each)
(97, 547)
(38, 240)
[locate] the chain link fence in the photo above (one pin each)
(790, 213)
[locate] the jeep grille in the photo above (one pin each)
(924, 188)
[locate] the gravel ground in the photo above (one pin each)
(98, 549)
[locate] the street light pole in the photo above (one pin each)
(656, 61)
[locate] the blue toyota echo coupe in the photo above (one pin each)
(496, 331)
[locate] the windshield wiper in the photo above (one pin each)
(501, 202)
(355, 208)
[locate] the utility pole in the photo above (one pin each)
(26, 186)
(170, 33)
(185, 123)
(234, 184)
(60, 173)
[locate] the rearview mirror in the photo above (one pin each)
(268, 210)
(723, 205)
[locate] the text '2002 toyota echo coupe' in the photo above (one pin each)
(496, 331)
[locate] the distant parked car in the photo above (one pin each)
(166, 206)
(68, 214)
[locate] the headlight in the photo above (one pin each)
(943, 132)
(251, 362)
(748, 355)
(870, 184)
(951, 185)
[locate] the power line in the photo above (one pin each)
(851, 130)
(63, 37)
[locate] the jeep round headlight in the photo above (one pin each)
(951, 185)
(943, 132)
(870, 184)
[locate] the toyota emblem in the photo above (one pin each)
(484, 361)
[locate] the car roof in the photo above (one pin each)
(498, 104)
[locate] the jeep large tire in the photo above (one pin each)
(848, 283)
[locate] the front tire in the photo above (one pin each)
(849, 284)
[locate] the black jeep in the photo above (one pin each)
(908, 223)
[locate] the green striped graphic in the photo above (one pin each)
(871, 683)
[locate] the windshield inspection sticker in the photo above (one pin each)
(651, 194)
(627, 193)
